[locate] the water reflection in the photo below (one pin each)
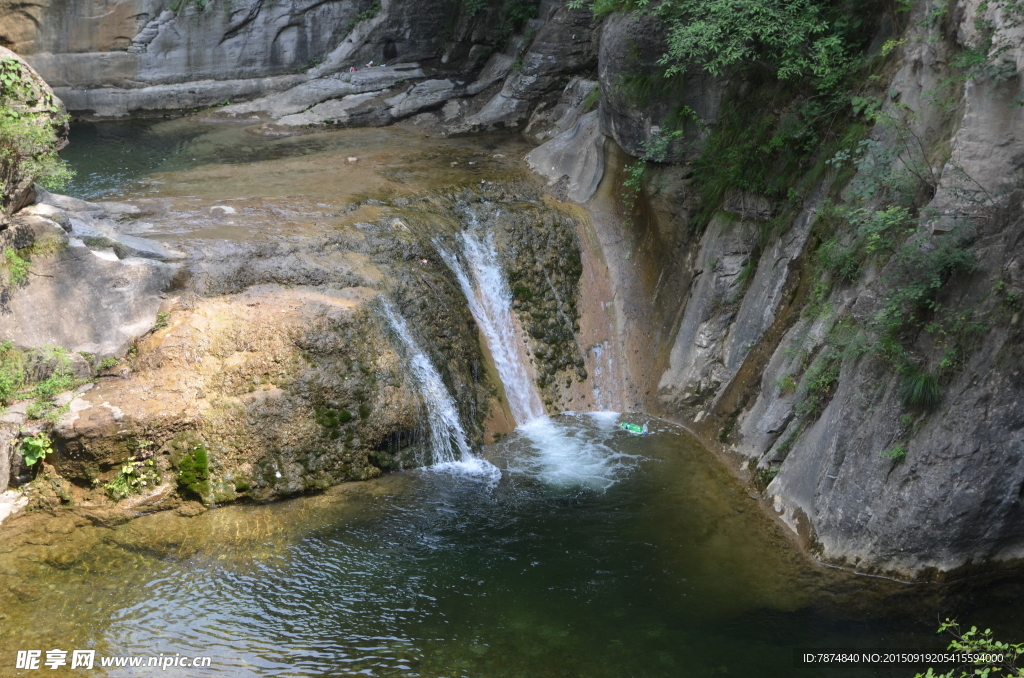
(645, 560)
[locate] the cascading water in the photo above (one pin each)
(490, 302)
(448, 442)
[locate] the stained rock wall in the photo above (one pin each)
(741, 347)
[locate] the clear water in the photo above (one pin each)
(594, 553)
(490, 302)
(597, 553)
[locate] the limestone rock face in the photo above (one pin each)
(137, 42)
(956, 496)
(287, 390)
(565, 46)
(94, 299)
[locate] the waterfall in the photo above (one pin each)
(448, 441)
(490, 302)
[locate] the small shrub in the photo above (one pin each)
(35, 411)
(365, 15)
(521, 293)
(30, 119)
(787, 384)
(133, 477)
(841, 262)
(896, 454)
(108, 363)
(35, 448)
(820, 384)
(994, 657)
(161, 321)
(919, 388)
(12, 372)
(15, 268)
(364, 411)
(58, 382)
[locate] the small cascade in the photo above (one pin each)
(448, 442)
(490, 302)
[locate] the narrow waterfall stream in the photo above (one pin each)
(449, 445)
(490, 301)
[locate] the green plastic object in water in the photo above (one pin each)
(632, 428)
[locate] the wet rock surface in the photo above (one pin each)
(269, 371)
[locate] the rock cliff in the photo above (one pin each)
(878, 405)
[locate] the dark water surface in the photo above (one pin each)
(587, 551)
(583, 551)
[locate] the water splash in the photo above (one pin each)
(574, 451)
(448, 442)
(490, 302)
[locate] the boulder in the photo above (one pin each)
(575, 157)
(635, 112)
(22, 150)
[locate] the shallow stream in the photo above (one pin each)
(573, 549)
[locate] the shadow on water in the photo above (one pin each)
(596, 553)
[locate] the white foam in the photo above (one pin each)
(447, 437)
(607, 419)
(474, 467)
(490, 302)
(572, 455)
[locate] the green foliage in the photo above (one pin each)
(331, 420)
(996, 657)
(790, 40)
(61, 379)
(162, 320)
(590, 103)
(765, 145)
(633, 185)
(35, 448)
(473, 7)
(15, 268)
(28, 130)
(12, 372)
(919, 388)
(787, 384)
(365, 15)
(364, 410)
(522, 293)
(35, 411)
(820, 384)
(924, 268)
(133, 477)
(178, 6)
(897, 454)
(194, 470)
(108, 363)
(515, 13)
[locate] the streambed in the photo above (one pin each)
(576, 550)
